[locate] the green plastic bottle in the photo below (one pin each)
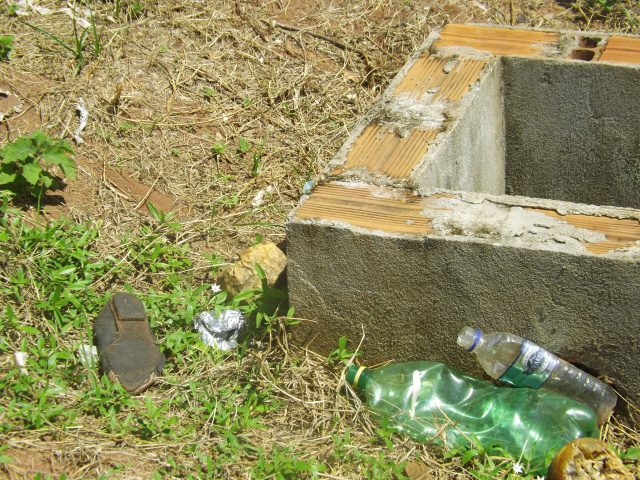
(434, 402)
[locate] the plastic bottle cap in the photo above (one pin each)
(475, 342)
(353, 375)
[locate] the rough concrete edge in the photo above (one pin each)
(631, 253)
(454, 115)
(561, 244)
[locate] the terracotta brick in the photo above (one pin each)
(429, 74)
(383, 151)
(498, 41)
(622, 50)
(369, 207)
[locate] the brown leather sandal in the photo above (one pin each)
(126, 344)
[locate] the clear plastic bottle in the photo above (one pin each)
(434, 402)
(519, 362)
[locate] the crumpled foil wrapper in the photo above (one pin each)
(220, 332)
(88, 355)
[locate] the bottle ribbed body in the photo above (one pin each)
(519, 362)
(434, 402)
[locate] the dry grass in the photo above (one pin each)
(173, 95)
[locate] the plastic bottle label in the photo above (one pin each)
(531, 368)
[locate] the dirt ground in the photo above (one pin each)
(180, 90)
(219, 111)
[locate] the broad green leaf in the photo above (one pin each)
(46, 179)
(58, 157)
(153, 210)
(69, 168)
(31, 172)
(64, 146)
(5, 178)
(18, 150)
(30, 330)
(40, 139)
(64, 271)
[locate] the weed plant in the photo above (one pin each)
(77, 43)
(212, 406)
(27, 162)
(6, 45)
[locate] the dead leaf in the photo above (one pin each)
(418, 471)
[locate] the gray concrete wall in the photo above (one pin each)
(572, 131)
(410, 296)
(534, 127)
(470, 155)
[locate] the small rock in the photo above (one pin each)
(448, 67)
(520, 18)
(243, 275)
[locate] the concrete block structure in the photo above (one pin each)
(496, 184)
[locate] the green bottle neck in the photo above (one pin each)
(357, 376)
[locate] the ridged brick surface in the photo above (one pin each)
(447, 77)
(383, 151)
(498, 41)
(622, 50)
(374, 208)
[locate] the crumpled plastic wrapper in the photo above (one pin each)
(220, 332)
(83, 113)
(25, 6)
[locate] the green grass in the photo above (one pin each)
(54, 283)
(77, 43)
(211, 406)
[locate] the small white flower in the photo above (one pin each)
(518, 468)
(539, 478)
(215, 288)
